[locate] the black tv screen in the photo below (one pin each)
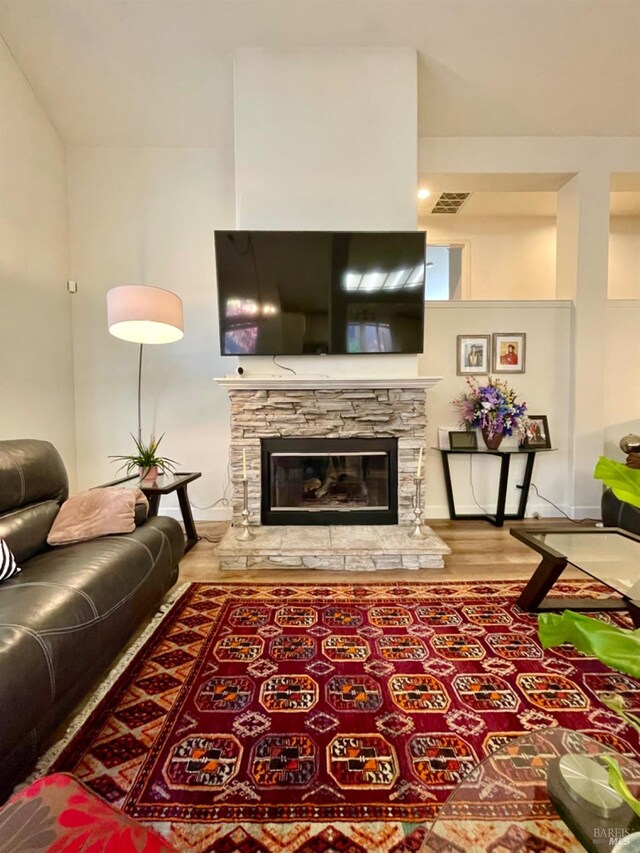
(320, 292)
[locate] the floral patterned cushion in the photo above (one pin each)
(59, 815)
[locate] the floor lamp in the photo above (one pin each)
(144, 315)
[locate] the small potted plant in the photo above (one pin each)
(146, 460)
(493, 408)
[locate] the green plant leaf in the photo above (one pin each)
(146, 456)
(616, 704)
(617, 647)
(624, 482)
(616, 781)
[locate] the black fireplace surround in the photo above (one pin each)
(329, 481)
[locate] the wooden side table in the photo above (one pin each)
(173, 483)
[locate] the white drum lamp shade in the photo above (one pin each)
(144, 315)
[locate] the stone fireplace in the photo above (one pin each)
(322, 452)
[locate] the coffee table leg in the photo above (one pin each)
(187, 518)
(541, 582)
(634, 612)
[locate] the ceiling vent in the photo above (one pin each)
(450, 202)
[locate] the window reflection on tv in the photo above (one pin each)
(320, 292)
(369, 337)
(241, 340)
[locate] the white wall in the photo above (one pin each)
(327, 139)
(147, 215)
(511, 257)
(624, 257)
(544, 387)
(514, 257)
(36, 365)
(622, 370)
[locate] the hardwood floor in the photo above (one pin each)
(479, 550)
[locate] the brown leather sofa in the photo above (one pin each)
(71, 609)
(617, 513)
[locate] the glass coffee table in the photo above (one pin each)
(607, 554)
(532, 794)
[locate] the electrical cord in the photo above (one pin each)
(224, 500)
(284, 366)
(538, 494)
(555, 506)
(473, 494)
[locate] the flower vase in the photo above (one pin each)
(492, 440)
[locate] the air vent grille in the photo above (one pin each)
(450, 202)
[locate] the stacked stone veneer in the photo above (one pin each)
(330, 413)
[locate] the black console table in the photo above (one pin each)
(505, 459)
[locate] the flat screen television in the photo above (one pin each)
(320, 292)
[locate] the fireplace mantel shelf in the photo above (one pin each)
(259, 382)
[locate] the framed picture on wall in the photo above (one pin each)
(509, 352)
(537, 432)
(473, 355)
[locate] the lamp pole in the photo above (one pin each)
(140, 394)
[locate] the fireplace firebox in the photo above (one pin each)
(329, 480)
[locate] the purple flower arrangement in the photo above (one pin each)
(491, 407)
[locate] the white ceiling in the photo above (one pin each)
(493, 204)
(160, 72)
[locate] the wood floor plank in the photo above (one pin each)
(478, 551)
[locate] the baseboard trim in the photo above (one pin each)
(435, 511)
(544, 510)
(214, 514)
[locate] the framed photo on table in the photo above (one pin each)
(463, 440)
(473, 356)
(509, 352)
(537, 432)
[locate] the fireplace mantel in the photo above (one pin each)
(259, 382)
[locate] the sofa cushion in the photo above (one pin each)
(26, 529)
(31, 471)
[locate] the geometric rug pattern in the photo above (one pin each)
(313, 717)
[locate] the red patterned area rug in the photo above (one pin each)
(311, 718)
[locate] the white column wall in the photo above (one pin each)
(36, 361)
(326, 139)
(582, 274)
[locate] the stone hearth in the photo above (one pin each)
(298, 406)
(358, 548)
